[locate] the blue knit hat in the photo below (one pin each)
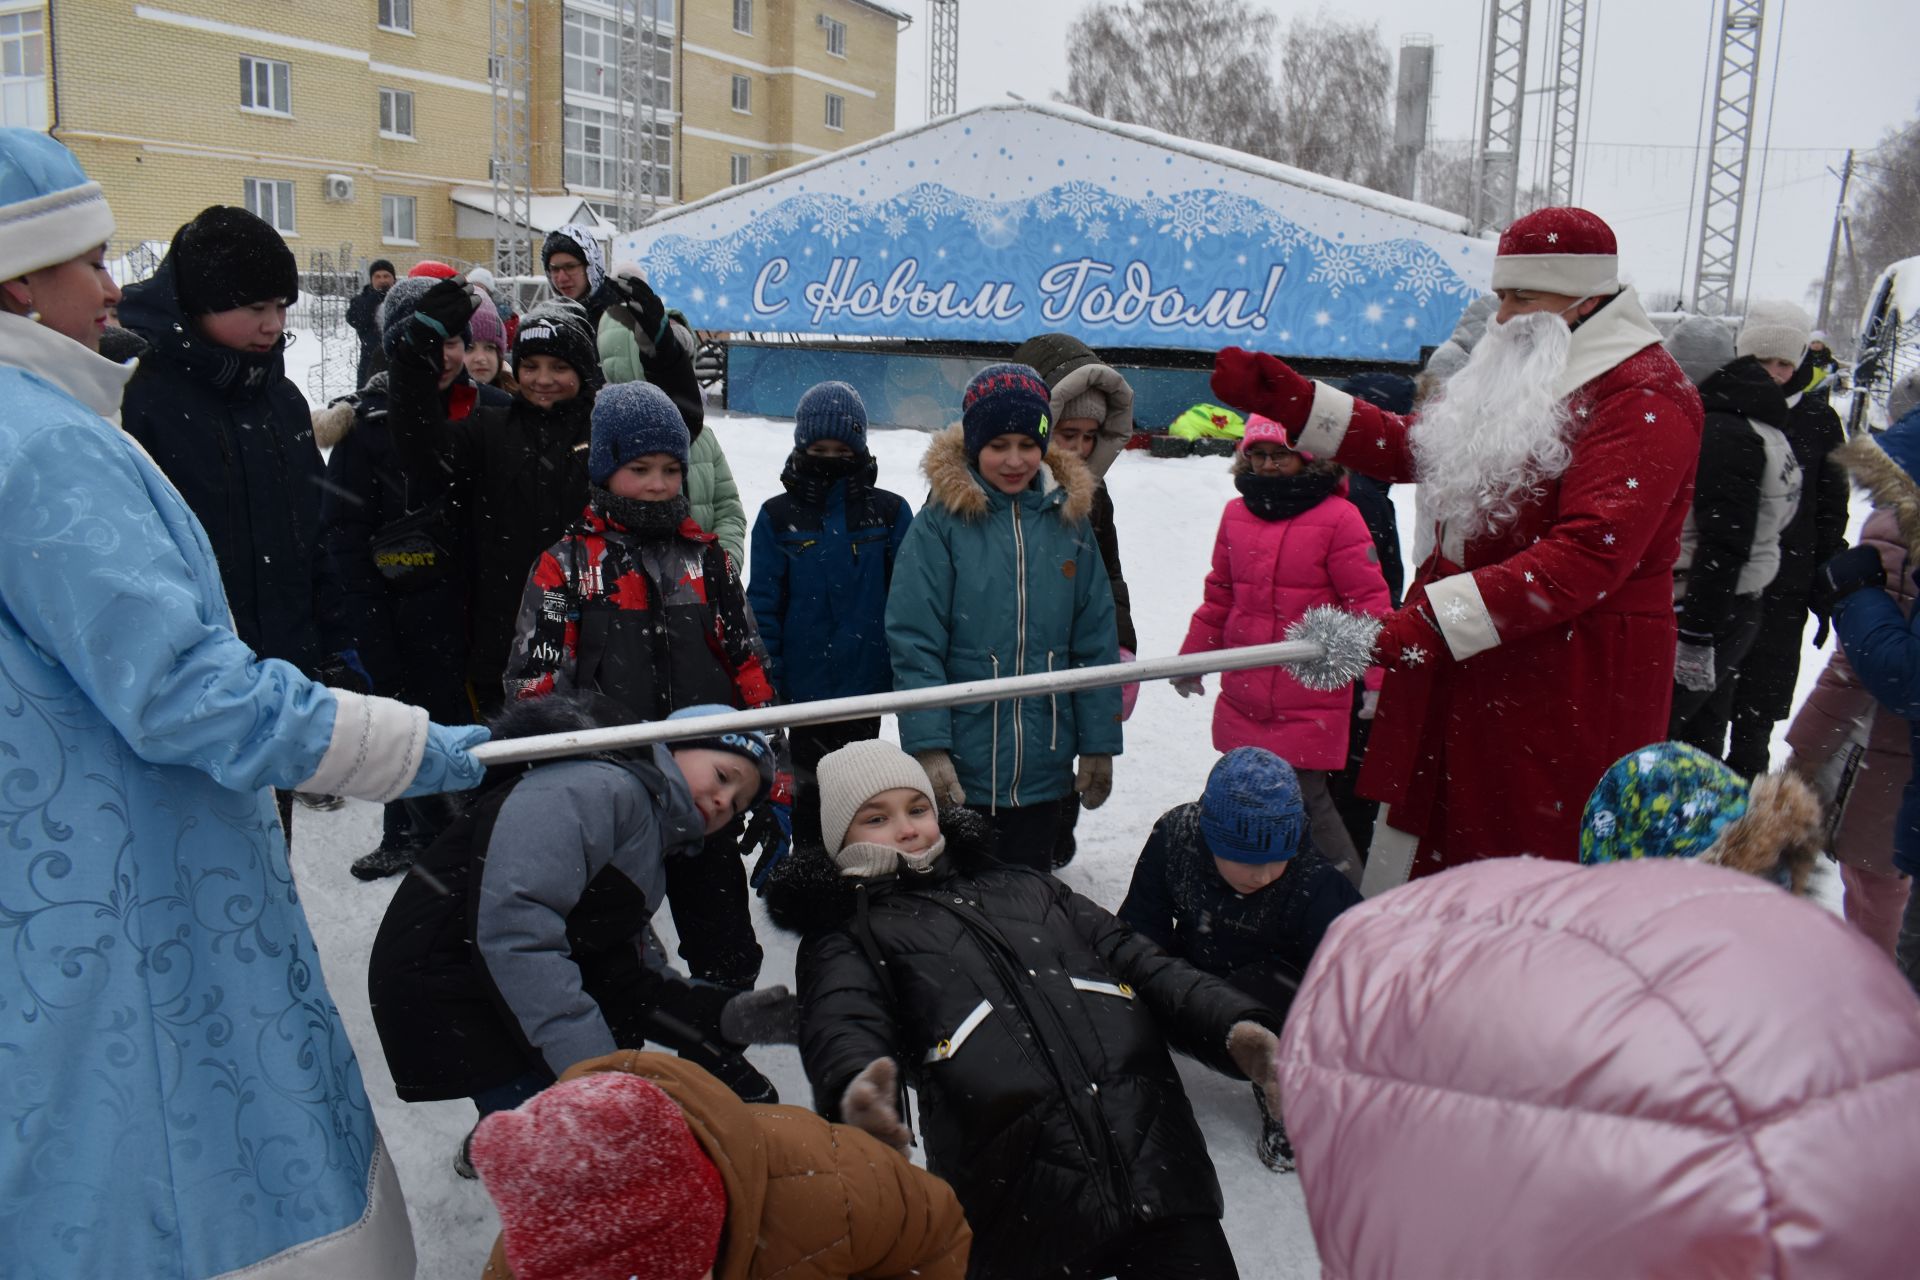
(1668, 800)
(748, 743)
(631, 420)
(50, 211)
(1005, 399)
(1252, 810)
(831, 411)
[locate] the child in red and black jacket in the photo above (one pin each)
(637, 602)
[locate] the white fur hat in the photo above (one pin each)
(1774, 331)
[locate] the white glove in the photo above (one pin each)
(868, 1103)
(1190, 687)
(1693, 667)
(946, 783)
(1369, 703)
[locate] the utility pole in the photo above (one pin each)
(1833, 244)
(1496, 168)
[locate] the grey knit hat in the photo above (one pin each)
(855, 774)
(1775, 331)
(1700, 345)
(1091, 403)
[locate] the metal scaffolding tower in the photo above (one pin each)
(1503, 95)
(510, 73)
(943, 57)
(642, 182)
(1730, 142)
(1566, 101)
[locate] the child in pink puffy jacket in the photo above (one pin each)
(1290, 541)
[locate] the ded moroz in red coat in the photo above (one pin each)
(1560, 625)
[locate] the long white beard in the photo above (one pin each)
(1487, 445)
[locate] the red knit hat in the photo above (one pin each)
(430, 267)
(600, 1176)
(1562, 250)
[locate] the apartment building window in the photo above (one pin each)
(266, 85)
(742, 169)
(23, 70)
(592, 142)
(396, 113)
(742, 94)
(397, 15)
(836, 36)
(836, 111)
(396, 219)
(272, 202)
(590, 57)
(743, 17)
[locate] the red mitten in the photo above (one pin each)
(1409, 638)
(1254, 382)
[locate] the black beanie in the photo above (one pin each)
(560, 327)
(381, 264)
(226, 258)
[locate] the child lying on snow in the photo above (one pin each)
(513, 949)
(639, 1165)
(1233, 885)
(1033, 1023)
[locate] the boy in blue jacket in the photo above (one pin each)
(822, 561)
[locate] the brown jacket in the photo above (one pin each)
(806, 1200)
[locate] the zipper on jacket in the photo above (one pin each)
(1053, 743)
(993, 794)
(1020, 643)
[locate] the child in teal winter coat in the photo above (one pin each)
(823, 554)
(1001, 575)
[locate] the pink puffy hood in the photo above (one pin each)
(1650, 1069)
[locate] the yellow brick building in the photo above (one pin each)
(369, 123)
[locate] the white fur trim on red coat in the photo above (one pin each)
(1327, 421)
(1462, 616)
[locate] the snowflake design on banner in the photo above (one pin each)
(1338, 268)
(1409, 268)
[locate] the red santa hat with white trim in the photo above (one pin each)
(1560, 250)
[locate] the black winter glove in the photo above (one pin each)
(444, 311)
(643, 303)
(1845, 574)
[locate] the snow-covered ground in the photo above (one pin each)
(1168, 511)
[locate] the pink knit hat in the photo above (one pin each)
(485, 324)
(1266, 431)
(601, 1176)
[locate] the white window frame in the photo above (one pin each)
(740, 168)
(743, 93)
(836, 37)
(391, 101)
(279, 84)
(396, 16)
(278, 211)
(836, 112)
(743, 17)
(25, 88)
(391, 210)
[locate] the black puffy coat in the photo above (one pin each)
(1035, 1027)
(236, 439)
(1261, 942)
(517, 477)
(514, 945)
(412, 641)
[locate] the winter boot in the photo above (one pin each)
(391, 858)
(320, 803)
(463, 1157)
(1274, 1147)
(734, 1071)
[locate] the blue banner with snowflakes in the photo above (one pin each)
(955, 231)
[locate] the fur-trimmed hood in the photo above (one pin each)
(807, 894)
(1070, 369)
(1778, 838)
(955, 485)
(1873, 464)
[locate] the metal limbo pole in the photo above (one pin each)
(969, 693)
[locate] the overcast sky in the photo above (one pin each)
(1851, 72)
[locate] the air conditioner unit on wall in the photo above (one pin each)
(338, 188)
(820, 20)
